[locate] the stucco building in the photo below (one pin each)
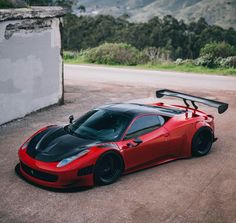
(31, 67)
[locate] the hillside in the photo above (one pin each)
(219, 12)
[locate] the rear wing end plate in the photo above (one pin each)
(221, 106)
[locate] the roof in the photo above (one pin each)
(31, 13)
(133, 109)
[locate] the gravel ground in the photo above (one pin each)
(189, 190)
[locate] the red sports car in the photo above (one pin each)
(117, 139)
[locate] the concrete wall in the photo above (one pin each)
(31, 74)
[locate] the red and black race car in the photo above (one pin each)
(117, 139)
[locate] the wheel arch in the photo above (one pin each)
(114, 151)
(201, 124)
(98, 178)
(193, 127)
(199, 131)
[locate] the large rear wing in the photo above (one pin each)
(221, 106)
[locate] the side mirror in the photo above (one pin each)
(71, 118)
(136, 140)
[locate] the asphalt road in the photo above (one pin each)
(138, 77)
(190, 190)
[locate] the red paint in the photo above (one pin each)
(170, 142)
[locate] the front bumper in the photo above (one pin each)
(48, 175)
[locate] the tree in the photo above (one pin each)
(200, 25)
(82, 8)
(171, 37)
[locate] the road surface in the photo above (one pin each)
(191, 190)
(138, 77)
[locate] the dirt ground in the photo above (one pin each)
(190, 190)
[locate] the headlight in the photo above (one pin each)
(72, 158)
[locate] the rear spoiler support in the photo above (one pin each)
(221, 106)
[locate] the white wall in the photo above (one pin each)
(30, 66)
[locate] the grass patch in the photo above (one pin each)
(190, 68)
(75, 58)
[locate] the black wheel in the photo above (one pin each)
(108, 168)
(202, 141)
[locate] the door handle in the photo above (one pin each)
(137, 141)
(165, 134)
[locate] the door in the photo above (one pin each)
(153, 145)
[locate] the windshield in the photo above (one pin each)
(101, 125)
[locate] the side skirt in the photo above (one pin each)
(152, 164)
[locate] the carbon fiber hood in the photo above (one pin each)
(55, 144)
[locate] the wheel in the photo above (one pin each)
(108, 168)
(202, 141)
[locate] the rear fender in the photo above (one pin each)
(210, 124)
(200, 124)
(192, 129)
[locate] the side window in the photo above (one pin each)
(144, 125)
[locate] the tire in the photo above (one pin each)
(202, 141)
(108, 168)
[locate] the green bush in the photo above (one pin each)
(113, 54)
(142, 58)
(180, 61)
(216, 50)
(229, 62)
(206, 61)
(219, 62)
(156, 55)
(70, 55)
